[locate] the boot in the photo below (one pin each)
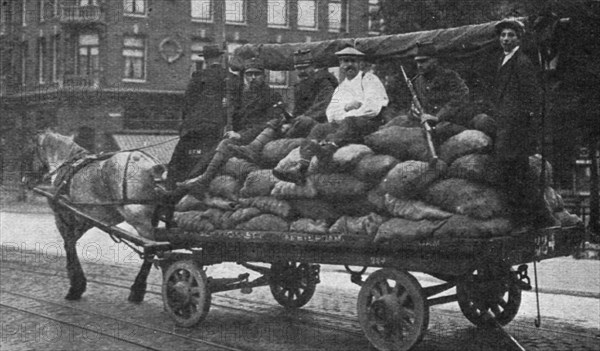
(220, 157)
(251, 152)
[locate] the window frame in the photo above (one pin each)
(24, 60)
(133, 13)
(316, 17)
(55, 42)
(344, 23)
(372, 4)
(211, 11)
(144, 58)
(286, 14)
(244, 20)
(89, 49)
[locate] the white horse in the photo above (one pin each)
(112, 190)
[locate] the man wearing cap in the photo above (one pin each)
(352, 113)
(254, 108)
(516, 97)
(441, 91)
(203, 119)
(312, 94)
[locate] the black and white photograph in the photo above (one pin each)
(300, 175)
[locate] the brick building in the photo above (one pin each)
(99, 67)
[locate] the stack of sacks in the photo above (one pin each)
(386, 190)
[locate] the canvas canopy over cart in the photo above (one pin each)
(393, 307)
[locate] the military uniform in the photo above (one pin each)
(441, 93)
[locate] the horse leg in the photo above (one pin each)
(138, 289)
(70, 235)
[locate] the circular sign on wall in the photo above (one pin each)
(170, 50)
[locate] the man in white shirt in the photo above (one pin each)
(354, 112)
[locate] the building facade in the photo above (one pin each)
(98, 67)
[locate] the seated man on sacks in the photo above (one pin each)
(354, 112)
(312, 94)
(254, 107)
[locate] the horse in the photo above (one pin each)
(112, 188)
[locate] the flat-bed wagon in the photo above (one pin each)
(393, 307)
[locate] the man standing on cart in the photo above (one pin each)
(517, 98)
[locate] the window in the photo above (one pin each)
(135, 7)
(338, 15)
(307, 14)
(48, 9)
(278, 78)
(375, 19)
(134, 52)
(41, 60)
(235, 11)
(277, 13)
(202, 10)
(88, 62)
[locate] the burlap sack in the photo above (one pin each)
(446, 130)
(408, 179)
(213, 215)
(476, 167)
(348, 156)
(267, 204)
(290, 162)
(276, 150)
(354, 206)
(231, 219)
(372, 168)
(400, 229)
(376, 197)
(224, 186)
(192, 221)
(265, 222)
(314, 209)
(259, 183)
(468, 142)
(239, 168)
(485, 124)
(306, 225)
(459, 226)
(402, 120)
(366, 225)
(568, 220)
(336, 185)
(415, 210)
(402, 143)
(467, 198)
(190, 203)
(287, 190)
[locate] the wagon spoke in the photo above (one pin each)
(402, 298)
(496, 310)
(502, 302)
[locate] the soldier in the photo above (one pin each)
(441, 91)
(312, 94)
(516, 98)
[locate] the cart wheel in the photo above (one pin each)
(392, 310)
(293, 284)
(185, 293)
(490, 290)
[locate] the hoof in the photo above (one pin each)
(73, 295)
(136, 297)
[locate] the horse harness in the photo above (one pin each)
(67, 170)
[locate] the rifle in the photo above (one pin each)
(424, 123)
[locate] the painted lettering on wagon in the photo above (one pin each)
(269, 235)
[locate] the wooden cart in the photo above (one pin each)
(393, 308)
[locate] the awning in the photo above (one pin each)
(160, 146)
